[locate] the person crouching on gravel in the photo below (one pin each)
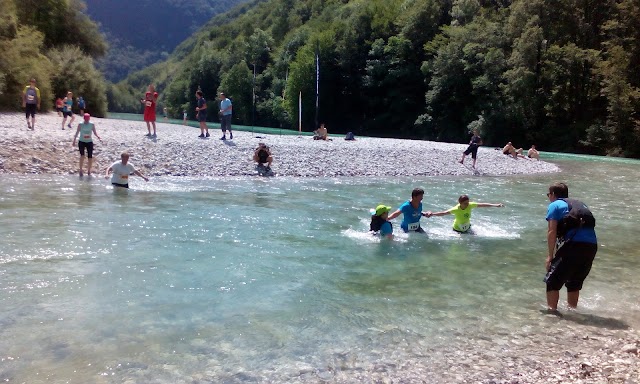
(263, 155)
(85, 142)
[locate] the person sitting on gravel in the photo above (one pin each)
(533, 153)
(510, 150)
(321, 133)
(263, 155)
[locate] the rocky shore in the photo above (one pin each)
(177, 151)
(571, 349)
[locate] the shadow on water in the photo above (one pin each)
(596, 321)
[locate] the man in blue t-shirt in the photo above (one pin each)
(226, 109)
(570, 255)
(411, 212)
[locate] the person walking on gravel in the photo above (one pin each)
(226, 110)
(201, 114)
(31, 102)
(85, 130)
(67, 104)
(472, 149)
(149, 102)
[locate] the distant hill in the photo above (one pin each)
(143, 32)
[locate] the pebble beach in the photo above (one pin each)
(177, 151)
(574, 348)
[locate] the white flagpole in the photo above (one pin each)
(300, 112)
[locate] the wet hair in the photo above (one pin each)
(376, 223)
(124, 154)
(463, 198)
(199, 93)
(417, 192)
(559, 190)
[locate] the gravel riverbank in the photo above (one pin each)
(573, 349)
(177, 151)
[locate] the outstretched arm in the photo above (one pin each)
(394, 215)
(490, 205)
(108, 171)
(441, 213)
(138, 173)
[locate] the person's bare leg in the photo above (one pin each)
(461, 159)
(33, 122)
(572, 299)
(474, 163)
(149, 128)
(552, 300)
(89, 164)
(80, 166)
(64, 120)
(154, 127)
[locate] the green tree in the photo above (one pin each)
(74, 71)
(237, 85)
(63, 22)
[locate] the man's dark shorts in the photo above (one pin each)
(30, 110)
(120, 185)
(67, 113)
(89, 146)
(202, 116)
(473, 150)
(225, 122)
(571, 266)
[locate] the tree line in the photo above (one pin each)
(54, 42)
(557, 73)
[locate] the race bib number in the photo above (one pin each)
(124, 177)
(464, 227)
(30, 98)
(148, 103)
(86, 136)
(414, 226)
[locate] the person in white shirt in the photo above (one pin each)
(121, 171)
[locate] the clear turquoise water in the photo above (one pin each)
(244, 279)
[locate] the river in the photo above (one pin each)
(251, 279)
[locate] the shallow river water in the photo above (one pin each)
(262, 280)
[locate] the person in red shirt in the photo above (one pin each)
(149, 101)
(59, 105)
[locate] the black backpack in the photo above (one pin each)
(579, 216)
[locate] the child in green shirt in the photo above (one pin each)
(462, 213)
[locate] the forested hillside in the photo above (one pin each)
(54, 42)
(558, 73)
(143, 32)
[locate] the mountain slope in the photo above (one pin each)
(142, 32)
